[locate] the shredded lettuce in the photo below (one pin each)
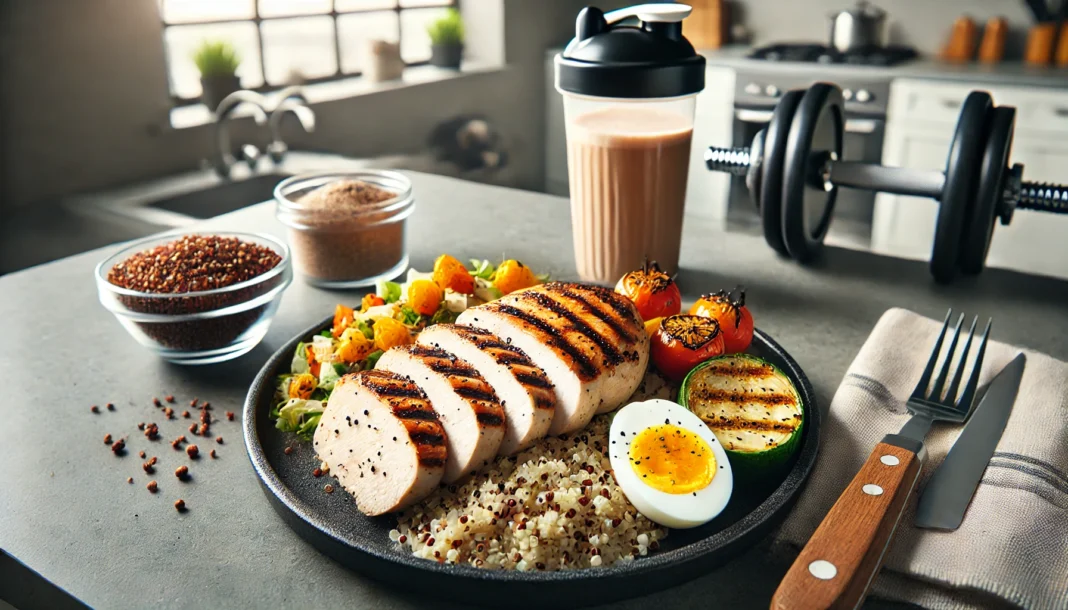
(443, 316)
(326, 334)
(300, 360)
(483, 269)
(300, 416)
(389, 291)
(408, 316)
(328, 376)
(366, 329)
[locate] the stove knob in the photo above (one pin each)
(753, 89)
(771, 91)
(863, 96)
(847, 94)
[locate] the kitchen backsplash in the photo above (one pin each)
(923, 24)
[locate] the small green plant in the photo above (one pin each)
(449, 30)
(216, 58)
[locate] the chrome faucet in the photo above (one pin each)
(249, 153)
(290, 100)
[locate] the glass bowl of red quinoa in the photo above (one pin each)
(196, 298)
(349, 229)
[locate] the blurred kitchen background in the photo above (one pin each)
(105, 134)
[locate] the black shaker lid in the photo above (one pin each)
(648, 60)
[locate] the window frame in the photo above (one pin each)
(258, 20)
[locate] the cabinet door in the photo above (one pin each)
(1035, 241)
(901, 225)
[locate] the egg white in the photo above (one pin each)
(680, 511)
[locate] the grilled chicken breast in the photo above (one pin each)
(589, 340)
(525, 392)
(466, 405)
(382, 440)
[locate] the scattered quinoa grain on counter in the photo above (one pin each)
(141, 426)
(169, 412)
(179, 505)
(94, 409)
(129, 480)
(152, 486)
(205, 405)
(219, 439)
(107, 439)
(192, 451)
(203, 430)
(156, 402)
(182, 472)
(193, 428)
(328, 488)
(230, 415)
(185, 414)
(288, 450)
(193, 403)
(169, 398)
(212, 454)
(110, 407)
(141, 454)
(317, 473)
(118, 447)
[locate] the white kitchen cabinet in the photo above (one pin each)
(706, 192)
(920, 125)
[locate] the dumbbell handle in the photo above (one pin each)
(1044, 197)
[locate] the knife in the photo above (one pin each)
(950, 489)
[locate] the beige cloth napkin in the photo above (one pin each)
(1012, 548)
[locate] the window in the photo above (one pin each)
(285, 40)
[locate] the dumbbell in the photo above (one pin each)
(794, 167)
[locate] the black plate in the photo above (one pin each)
(332, 524)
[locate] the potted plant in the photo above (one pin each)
(447, 40)
(218, 62)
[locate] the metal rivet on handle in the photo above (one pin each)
(822, 569)
(890, 460)
(872, 490)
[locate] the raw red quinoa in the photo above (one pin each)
(192, 264)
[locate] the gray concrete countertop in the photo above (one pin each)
(67, 513)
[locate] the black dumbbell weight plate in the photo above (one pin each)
(979, 225)
(815, 133)
(962, 176)
(771, 175)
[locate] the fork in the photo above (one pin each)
(840, 561)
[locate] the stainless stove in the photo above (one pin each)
(864, 77)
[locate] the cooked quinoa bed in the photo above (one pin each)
(554, 506)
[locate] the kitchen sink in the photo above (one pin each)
(223, 198)
(182, 199)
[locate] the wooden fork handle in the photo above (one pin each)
(837, 566)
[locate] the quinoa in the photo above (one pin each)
(554, 506)
(341, 236)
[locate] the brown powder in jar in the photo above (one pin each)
(341, 240)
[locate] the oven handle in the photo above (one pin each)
(861, 126)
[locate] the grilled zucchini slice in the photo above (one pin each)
(750, 405)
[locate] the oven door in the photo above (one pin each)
(853, 208)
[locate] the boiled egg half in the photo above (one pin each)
(669, 464)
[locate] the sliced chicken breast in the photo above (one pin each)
(466, 405)
(382, 440)
(525, 392)
(589, 340)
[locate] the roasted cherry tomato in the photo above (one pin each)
(513, 275)
(451, 273)
(684, 341)
(343, 316)
(735, 321)
(654, 292)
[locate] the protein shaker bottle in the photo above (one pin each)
(629, 93)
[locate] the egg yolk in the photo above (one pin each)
(672, 460)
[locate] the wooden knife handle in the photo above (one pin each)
(837, 566)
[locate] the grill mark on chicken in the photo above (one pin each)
(428, 438)
(389, 385)
(477, 393)
(586, 369)
(509, 358)
(415, 413)
(607, 296)
(612, 321)
(489, 419)
(534, 380)
(432, 462)
(611, 354)
(543, 401)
